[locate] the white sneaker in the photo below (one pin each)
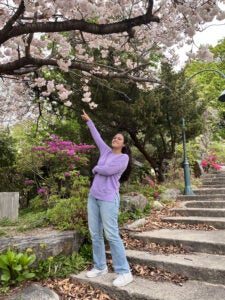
(95, 272)
(123, 279)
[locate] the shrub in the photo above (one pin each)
(51, 168)
(71, 213)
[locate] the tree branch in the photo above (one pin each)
(9, 25)
(29, 64)
(81, 25)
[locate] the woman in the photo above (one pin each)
(113, 166)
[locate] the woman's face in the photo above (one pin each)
(118, 141)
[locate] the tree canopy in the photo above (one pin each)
(40, 35)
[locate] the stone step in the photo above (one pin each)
(217, 174)
(218, 223)
(144, 289)
(210, 178)
(214, 181)
(214, 186)
(212, 241)
(198, 266)
(209, 191)
(203, 212)
(205, 204)
(214, 197)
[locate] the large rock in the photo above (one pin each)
(169, 194)
(35, 292)
(132, 202)
(44, 245)
(157, 205)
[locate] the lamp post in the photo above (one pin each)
(187, 181)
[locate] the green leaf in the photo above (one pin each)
(5, 277)
(17, 268)
(4, 259)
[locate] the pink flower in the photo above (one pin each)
(43, 191)
(204, 163)
(67, 174)
(28, 182)
(156, 194)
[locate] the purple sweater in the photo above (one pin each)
(109, 169)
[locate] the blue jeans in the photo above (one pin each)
(104, 215)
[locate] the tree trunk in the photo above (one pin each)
(153, 163)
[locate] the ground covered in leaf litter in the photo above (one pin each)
(69, 289)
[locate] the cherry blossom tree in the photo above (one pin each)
(41, 35)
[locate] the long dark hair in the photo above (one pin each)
(126, 149)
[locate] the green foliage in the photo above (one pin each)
(31, 220)
(60, 266)
(209, 86)
(137, 214)
(86, 252)
(3, 233)
(71, 213)
(8, 154)
(15, 267)
(219, 150)
(7, 149)
(7, 222)
(28, 220)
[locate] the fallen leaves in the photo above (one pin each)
(135, 244)
(69, 289)
(155, 220)
(156, 274)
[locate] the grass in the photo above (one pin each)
(27, 220)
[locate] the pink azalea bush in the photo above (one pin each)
(210, 162)
(57, 164)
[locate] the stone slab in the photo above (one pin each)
(208, 190)
(198, 266)
(203, 212)
(143, 289)
(218, 223)
(204, 204)
(193, 240)
(207, 197)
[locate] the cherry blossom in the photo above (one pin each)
(37, 36)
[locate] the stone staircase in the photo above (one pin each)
(204, 265)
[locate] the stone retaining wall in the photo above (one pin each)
(51, 243)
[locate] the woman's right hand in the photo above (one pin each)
(85, 116)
